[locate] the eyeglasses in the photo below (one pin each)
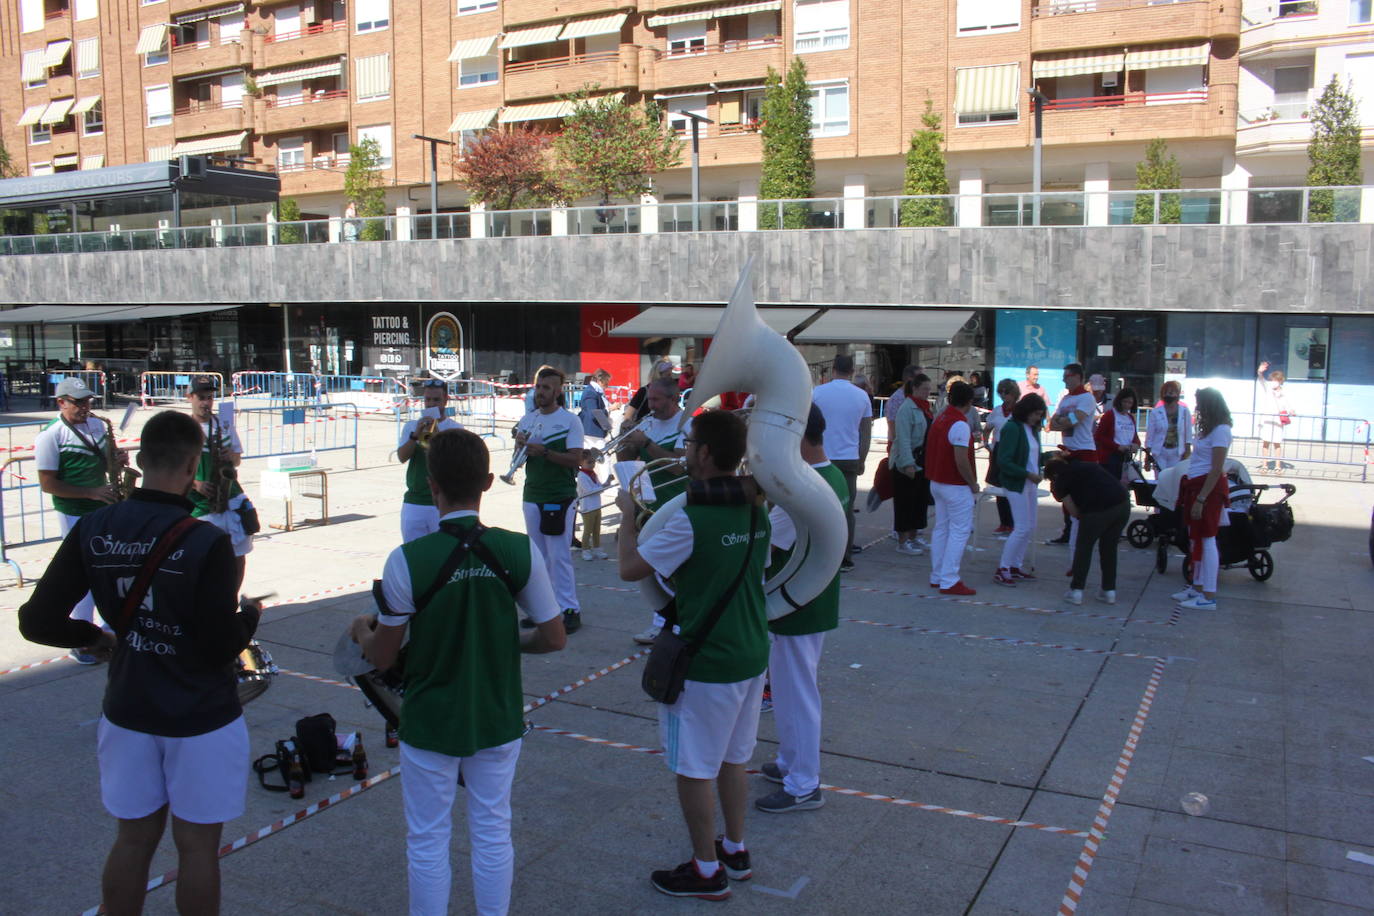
(688, 441)
(434, 383)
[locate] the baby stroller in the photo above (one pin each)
(1142, 532)
(1254, 527)
(1161, 494)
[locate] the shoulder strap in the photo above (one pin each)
(699, 639)
(168, 542)
(483, 553)
(90, 444)
(455, 559)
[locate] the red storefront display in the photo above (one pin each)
(617, 355)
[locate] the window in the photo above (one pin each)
(475, 6)
(34, 70)
(686, 38)
(153, 58)
(829, 109)
(978, 17)
(291, 153)
(230, 25)
(93, 121)
(753, 106)
(87, 9)
(986, 95)
(1297, 345)
(1290, 91)
(39, 133)
(41, 168)
(372, 15)
(474, 71)
(231, 90)
(1171, 85)
(1361, 12)
(820, 25)
(339, 143)
(374, 77)
(286, 20)
(158, 100)
(382, 134)
(87, 58)
(679, 108)
(1359, 70)
(31, 16)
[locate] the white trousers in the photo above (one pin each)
(85, 608)
(1023, 507)
(1205, 575)
(556, 549)
(953, 524)
(1166, 458)
(418, 521)
(429, 781)
(792, 663)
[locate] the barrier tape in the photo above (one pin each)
(1088, 855)
(1013, 607)
(46, 661)
(1007, 640)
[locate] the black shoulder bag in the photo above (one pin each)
(666, 669)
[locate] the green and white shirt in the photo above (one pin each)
(77, 454)
(823, 613)
(463, 690)
(207, 463)
(701, 550)
(417, 468)
(666, 482)
(560, 431)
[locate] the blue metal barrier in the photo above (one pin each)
(470, 402)
(172, 387)
(293, 430)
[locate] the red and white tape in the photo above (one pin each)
(46, 661)
(1007, 640)
(926, 596)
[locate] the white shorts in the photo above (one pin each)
(710, 724)
(1271, 431)
(230, 523)
(204, 778)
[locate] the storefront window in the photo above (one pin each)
(1298, 345)
(1350, 390)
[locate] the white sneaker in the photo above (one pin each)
(910, 548)
(1199, 603)
(588, 555)
(1106, 596)
(921, 542)
(1185, 595)
(1074, 596)
(600, 554)
(893, 535)
(647, 637)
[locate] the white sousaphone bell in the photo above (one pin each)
(747, 355)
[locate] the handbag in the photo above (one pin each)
(993, 476)
(1285, 418)
(665, 672)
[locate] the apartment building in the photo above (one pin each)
(86, 83)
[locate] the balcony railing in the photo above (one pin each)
(1043, 8)
(555, 63)
(318, 28)
(1127, 100)
(305, 98)
(57, 14)
(723, 47)
(196, 107)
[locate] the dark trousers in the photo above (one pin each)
(910, 500)
(850, 470)
(1104, 529)
(1004, 513)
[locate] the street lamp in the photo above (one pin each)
(1038, 100)
(433, 180)
(696, 120)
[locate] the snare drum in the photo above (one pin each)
(255, 672)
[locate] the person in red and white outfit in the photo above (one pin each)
(1116, 435)
(1073, 418)
(1202, 497)
(1010, 392)
(954, 486)
(1272, 423)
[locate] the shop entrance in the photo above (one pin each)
(1126, 350)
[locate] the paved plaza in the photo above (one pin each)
(1002, 754)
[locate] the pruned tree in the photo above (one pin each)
(1158, 171)
(608, 149)
(508, 170)
(289, 232)
(789, 163)
(364, 189)
(1333, 155)
(925, 174)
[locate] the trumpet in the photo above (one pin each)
(636, 489)
(122, 477)
(520, 456)
(422, 439)
(612, 445)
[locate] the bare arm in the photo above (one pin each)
(380, 645)
(633, 567)
(965, 466)
(49, 483)
(546, 637)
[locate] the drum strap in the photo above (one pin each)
(467, 542)
(173, 536)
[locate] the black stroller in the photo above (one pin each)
(1245, 541)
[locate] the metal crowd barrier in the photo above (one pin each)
(1335, 441)
(42, 385)
(279, 388)
(26, 514)
(276, 388)
(297, 430)
(471, 402)
(171, 387)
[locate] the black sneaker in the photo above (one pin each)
(527, 624)
(846, 565)
(771, 772)
(572, 621)
(1060, 541)
(686, 881)
(736, 864)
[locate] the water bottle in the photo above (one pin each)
(1195, 803)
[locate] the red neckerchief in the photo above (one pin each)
(1006, 411)
(590, 472)
(924, 405)
(1079, 390)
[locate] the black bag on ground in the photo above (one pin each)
(317, 743)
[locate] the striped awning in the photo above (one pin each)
(1076, 65)
(1175, 55)
(32, 114)
(473, 120)
(85, 104)
(88, 56)
(701, 14)
(159, 153)
(985, 90)
(152, 38)
(586, 28)
(213, 13)
(469, 48)
(33, 70)
(66, 159)
(373, 76)
(539, 111)
(56, 111)
(537, 35)
(93, 162)
(56, 52)
(221, 144)
(303, 72)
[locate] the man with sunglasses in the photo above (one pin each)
(419, 515)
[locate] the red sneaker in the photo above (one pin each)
(1002, 529)
(1004, 577)
(935, 585)
(958, 588)
(1018, 573)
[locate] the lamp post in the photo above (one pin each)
(1038, 101)
(433, 180)
(696, 121)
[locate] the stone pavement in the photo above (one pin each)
(1001, 754)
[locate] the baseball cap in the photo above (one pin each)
(1096, 382)
(203, 383)
(74, 389)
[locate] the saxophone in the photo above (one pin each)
(122, 477)
(223, 474)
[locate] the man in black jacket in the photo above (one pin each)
(172, 735)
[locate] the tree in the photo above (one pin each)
(508, 171)
(789, 165)
(363, 187)
(1333, 155)
(7, 166)
(1159, 170)
(609, 149)
(925, 174)
(290, 232)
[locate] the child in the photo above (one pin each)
(589, 493)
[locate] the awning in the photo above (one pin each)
(539, 111)
(221, 144)
(303, 72)
(88, 56)
(213, 13)
(32, 114)
(985, 90)
(159, 153)
(84, 105)
(54, 314)
(714, 12)
(586, 28)
(33, 70)
(147, 312)
(93, 162)
(1176, 55)
(919, 325)
(66, 159)
(469, 48)
(151, 39)
(1076, 65)
(701, 321)
(473, 120)
(538, 35)
(56, 52)
(56, 111)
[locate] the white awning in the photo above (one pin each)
(88, 56)
(1176, 55)
(984, 90)
(56, 52)
(714, 12)
(473, 120)
(303, 72)
(221, 144)
(33, 69)
(473, 47)
(56, 111)
(537, 35)
(700, 321)
(32, 114)
(1076, 65)
(539, 111)
(586, 28)
(86, 104)
(919, 325)
(93, 162)
(159, 153)
(66, 159)
(214, 13)
(54, 314)
(151, 39)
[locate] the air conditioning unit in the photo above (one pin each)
(1111, 80)
(193, 167)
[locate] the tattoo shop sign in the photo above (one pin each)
(444, 346)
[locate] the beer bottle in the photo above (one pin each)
(359, 757)
(295, 773)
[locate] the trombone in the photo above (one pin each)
(612, 445)
(520, 456)
(636, 488)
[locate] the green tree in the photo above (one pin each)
(1158, 171)
(789, 163)
(7, 166)
(925, 174)
(1333, 155)
(608, 149)
(289, 214)
(363, 187)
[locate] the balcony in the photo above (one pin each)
(322, 175)
(1296, 27)
(177, 7)
(203, 56)
(517, 11)
(321, 39)
(1062, 25)
(1138, 116)
(195, 118)
(306, 111)
(530, 79)
(716, 63)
